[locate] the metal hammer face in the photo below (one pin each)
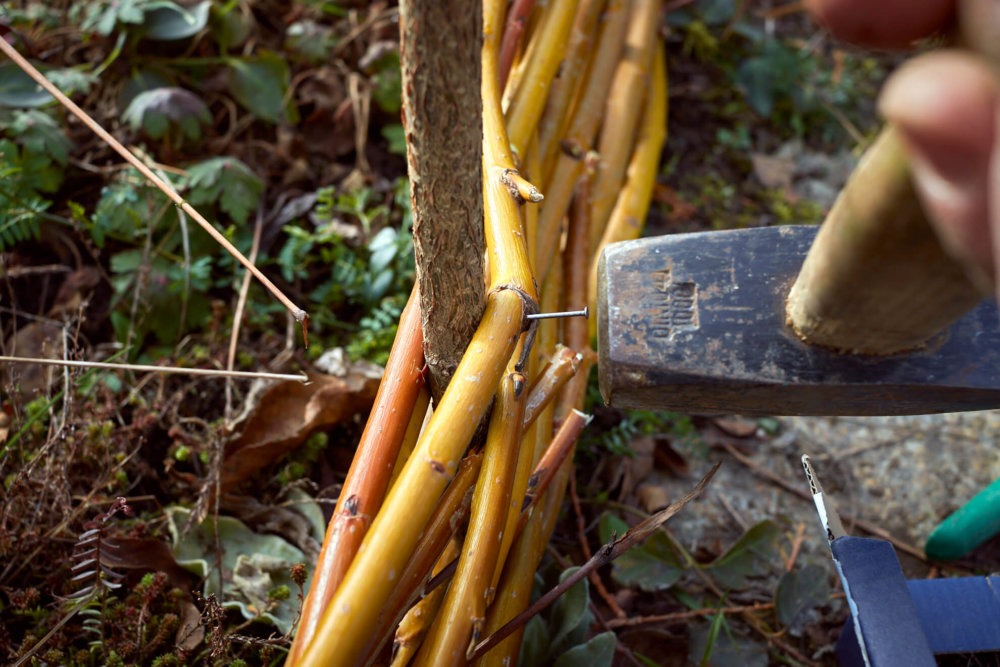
(696, 323)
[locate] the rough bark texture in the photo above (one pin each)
(442, 114)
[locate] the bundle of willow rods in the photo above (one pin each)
(435, 540)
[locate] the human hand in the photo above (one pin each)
(946, 106)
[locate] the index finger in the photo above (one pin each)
(891, 24)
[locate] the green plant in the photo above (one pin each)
(171, 113)
(370, 274)
(33, 153)
(559, 635)
(226, 182)
(636, 423)
(93, 571)
(803, 89)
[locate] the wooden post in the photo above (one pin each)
(440, 45)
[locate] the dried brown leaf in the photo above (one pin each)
(287, 413)
(191, 631)
(147, 555)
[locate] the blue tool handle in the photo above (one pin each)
(885, 618)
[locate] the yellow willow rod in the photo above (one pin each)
(629, 215)
(451, 513)
(345, 628)
(527, 105)
(586, 117)
(368, 477)
(518, 577)
(621, 116)
(417, 621)
(568, 81)
(464, 610)
(566, 362)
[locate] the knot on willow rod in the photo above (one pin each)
(529, 325)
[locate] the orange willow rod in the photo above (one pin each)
(370, 471)
(514, 28)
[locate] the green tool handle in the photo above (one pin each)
(968, 527)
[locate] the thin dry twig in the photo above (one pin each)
(678, 616)
(241, 302)
(145, 368)
(607, 553)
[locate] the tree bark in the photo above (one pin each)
(440, 50)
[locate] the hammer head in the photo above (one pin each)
(695, 323)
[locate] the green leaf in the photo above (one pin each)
(141, 81)
(253, 565)
(653, 566)
(19, 90)
(103, 16)
(227, 181)
(155, 111)
(230, 26)
(383, 249)
(29, 172)
(535, 644)
(570, 611)
(388, 90)
(309, 39)
(598, 652)
(126, 261)
(712, 645)
(759, 84)
(167, 21)
(752, 556)
(19, 220)
(395, 137)
(260, 84)
(800, 591)
(716, 12)
(125, 208)
(40, 133)
(70, 80)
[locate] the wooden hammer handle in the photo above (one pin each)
(877, 280)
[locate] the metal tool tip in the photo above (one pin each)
(814, 485)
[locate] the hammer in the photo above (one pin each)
(869, 316)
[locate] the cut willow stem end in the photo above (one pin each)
(521, 188)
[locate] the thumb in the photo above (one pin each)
(945, 106)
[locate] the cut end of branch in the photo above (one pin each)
(520, 188)
(302, 317)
